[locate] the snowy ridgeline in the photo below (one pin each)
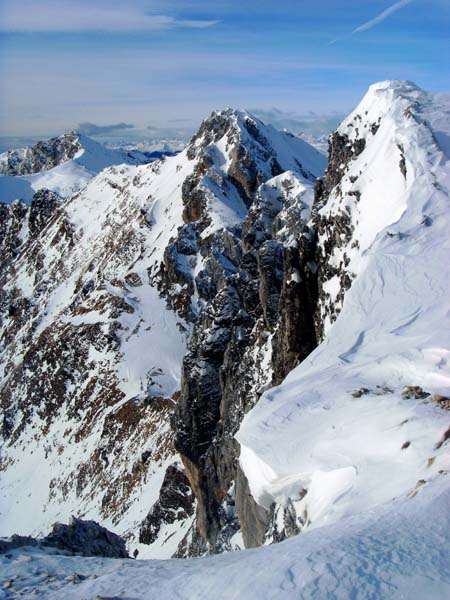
(352, 446)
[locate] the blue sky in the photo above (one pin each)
(166, 64)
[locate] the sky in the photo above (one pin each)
(158, 67)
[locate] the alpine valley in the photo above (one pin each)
(222, 349)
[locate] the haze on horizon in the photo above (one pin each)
(154, 66)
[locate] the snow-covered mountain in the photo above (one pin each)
(364, 419)
(99, 296)
(62, 164)
(222, 350)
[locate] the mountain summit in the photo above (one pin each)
(363, 421)
(62, 164)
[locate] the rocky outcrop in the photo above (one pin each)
(254, 519)
(21, 224)
(295, 336)
(87, 538)
(42, 156)
(335, 229)
(250, 333)
(12, 221)
(16, 541)
(43, 207)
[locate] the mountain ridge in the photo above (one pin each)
(105, 294)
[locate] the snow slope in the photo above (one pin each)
(317, 441)
(396, 552)
(69, 174)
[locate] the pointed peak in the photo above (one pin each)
(236, 124)
(396, 99)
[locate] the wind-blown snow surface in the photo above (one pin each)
(353, 454)
(69, 176)
(397, 553)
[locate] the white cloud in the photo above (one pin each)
(86, 16)
(382, 16)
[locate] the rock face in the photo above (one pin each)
(16, 541)
(176, 502)
(87, 538)
(257, 316)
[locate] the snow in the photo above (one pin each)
(164, 346)
(122, 221)
(297, 159)
(393, 552)
(376, 509)
(152, 344)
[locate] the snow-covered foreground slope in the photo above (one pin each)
(62, 165)
(97, 301)
(397, 552)
(342, 435)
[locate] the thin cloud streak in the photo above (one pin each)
(375, 21)
(382, 16)
(67, 16)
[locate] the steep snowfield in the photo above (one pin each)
(121, 228)
(69, 176)
(397, 552)
(354, 453)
